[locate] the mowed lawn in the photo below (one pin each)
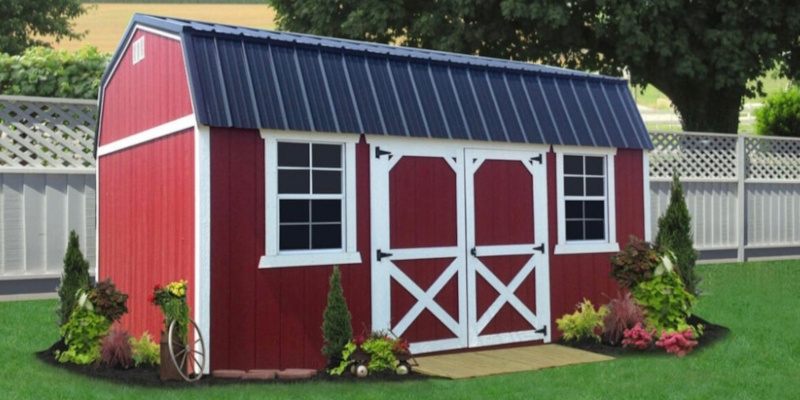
(760, 359)
(106, 22)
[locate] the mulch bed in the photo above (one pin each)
(712, 333)
(147, 376)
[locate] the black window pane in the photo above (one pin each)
(595, 230)
(294, 211)
(595, 209)
(327, 182)
(293, 181)
(594, 166)
(326, 210)
(574, 210)
(573, 165)
(573, 186)
(294, 237)
(595, 187)
(574, 230)
(292, 154)
(327, 155)
(326, 236)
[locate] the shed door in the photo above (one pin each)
(453, 238)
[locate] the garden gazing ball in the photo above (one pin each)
(361, 371)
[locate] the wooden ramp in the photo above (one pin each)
(503, 361)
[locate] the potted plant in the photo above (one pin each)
(171, 299)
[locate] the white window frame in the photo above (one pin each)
(348, 254)
(586, 246)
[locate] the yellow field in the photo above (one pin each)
(107, 22)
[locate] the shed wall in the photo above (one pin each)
(146, 223)
(269, 318)
(149, 93)
(574, 277)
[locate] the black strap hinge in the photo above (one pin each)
(474, 252)
(380, 255)
(537, 159)
(379, 152)
(543, 331)
(540, 248)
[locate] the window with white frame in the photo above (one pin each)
(310, 200)
(585, 193)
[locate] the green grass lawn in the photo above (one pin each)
(758, 301)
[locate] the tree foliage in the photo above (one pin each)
(701, 54)
(780, 115)
(25, 22)
(675, 234)
(42, 71)
(336, 328)
(74, 278)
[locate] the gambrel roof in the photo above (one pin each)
(249, 78)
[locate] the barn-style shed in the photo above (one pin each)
(468, 201)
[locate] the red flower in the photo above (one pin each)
(152, 298)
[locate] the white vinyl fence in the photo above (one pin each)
(47, 184)
(743, 192)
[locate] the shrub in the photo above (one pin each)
(74, 278)
(780, 114)
(623, 314)
(115, 349)
(583, 323)
(144, 351)
(666, 302)
(381, 348)
(635, 264)
(336, 328)
(108, 301)
(82, 334)
(675, 233)
(638, 337)
(678, 343)
(42, 71)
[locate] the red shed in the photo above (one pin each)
(469, 201)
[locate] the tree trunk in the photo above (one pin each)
(703, 108)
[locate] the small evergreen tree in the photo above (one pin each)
(336, 328)
(74, 277)
(675, 234)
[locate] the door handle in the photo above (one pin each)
(380, 255)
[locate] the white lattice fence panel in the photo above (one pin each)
(694, 156)
(773, 159)
(39, 132)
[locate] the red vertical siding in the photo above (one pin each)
(574, 277)
(146, 225)
(150, 93)
(269, 318)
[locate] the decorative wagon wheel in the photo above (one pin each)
(187, 355)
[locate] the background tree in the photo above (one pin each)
(25, 22)
(675, 234)
(74, 277)
(780, 115)
(44, 72)
(336, 328)
(704, 55)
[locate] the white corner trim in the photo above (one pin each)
(581, 248)
(309, 259)
(154, 133)
(648, 224)
(202, 236)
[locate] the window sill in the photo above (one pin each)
(582, 248)
(308, 259)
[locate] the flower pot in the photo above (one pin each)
(168, 371)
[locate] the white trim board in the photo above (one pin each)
(174, 126)
(202, 236)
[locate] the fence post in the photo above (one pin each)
(741, 214)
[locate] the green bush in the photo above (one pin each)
(667, 304)
(108, 301)
(42, 71)
(145, 351)
(675, 233)
(83, 334)
(74, 278)
(336, 328)
(583, 323)
(635, 264)
(780, 114)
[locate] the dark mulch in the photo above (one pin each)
(147, 376)
(712, 333)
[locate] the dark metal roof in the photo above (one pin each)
(249, 78)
